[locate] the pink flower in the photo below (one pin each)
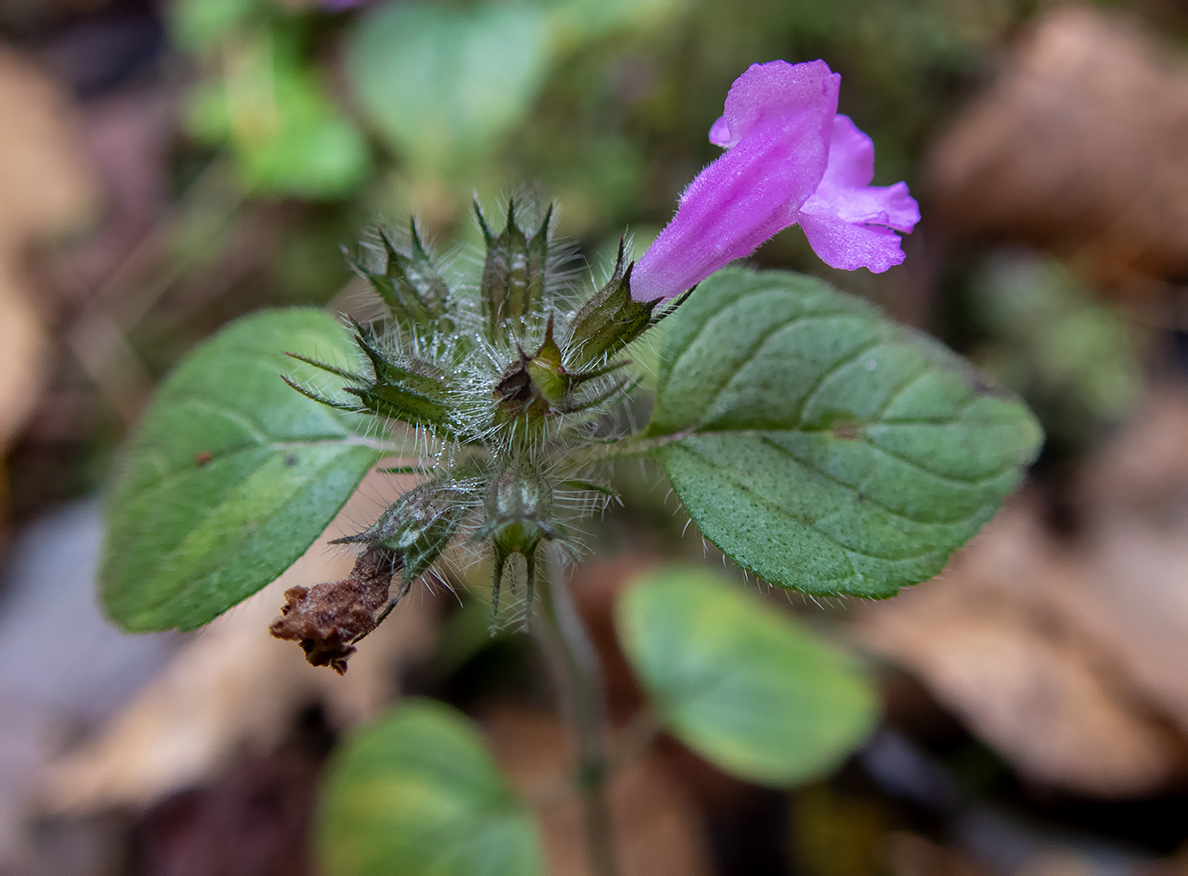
(789, 159)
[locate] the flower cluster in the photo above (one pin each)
(790, 160)
(507, 379)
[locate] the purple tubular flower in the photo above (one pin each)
(849, 223)
(789, 159)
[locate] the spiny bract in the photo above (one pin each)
(503, 381)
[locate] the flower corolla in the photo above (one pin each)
(790, 159)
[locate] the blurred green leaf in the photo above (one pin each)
(823, 446)
(287, 135)
(445, 84)
(416, 793)
(574, 22)
(745, 686)
(230, 475)
(201, 24)
(1072, 357)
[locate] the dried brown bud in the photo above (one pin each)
(327, 618)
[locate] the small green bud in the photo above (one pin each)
(409, 283)
(519, 515)
(419, 525)
(403, 388)
(547, 372)
(400, 388)
(609, 321)
(514, 280)
(518, 396)
(537, 386)
(533, 386)
(519, 497)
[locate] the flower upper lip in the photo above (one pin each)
(789, 159)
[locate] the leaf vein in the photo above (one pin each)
(899, 389)
(810, 523)
(680, 353)
(759, 342)
(833, 368)
(976, 482)
(187, 584)
(832, 478)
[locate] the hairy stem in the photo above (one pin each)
(575, 667)
(626, 448)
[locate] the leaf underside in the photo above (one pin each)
(823, 446)
(417, 793)
(747, 687)
(231, 474)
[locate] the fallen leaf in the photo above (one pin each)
(1078, 143)
(46, 181)
(1022, 638)
(47, 187)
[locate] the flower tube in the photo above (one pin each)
(789, 159)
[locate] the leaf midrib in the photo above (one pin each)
(654, 443)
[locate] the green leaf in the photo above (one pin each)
(823, 446)
(416, 793)
(575, 22)
(1072, 356)
(745, 686)
(230, 475)
(198, 25)
(285, 132)
(445, 84)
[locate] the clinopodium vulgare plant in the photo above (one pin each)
(819, 445)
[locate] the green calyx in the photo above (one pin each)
(519, 514)
(409, 283)
(428, 364)
(503, 376)
(610, 320)
(403, 388)
(420, 524)
(538, 386)
(514, 283)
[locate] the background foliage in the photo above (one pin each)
(192, 161)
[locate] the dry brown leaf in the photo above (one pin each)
(24, 350)
(657, 827)
(1143, 470)
(998, 641)
(1078, 143)
(234, 687)
(1068, 655)
(46, 181)
(1135, 500)
(46, 186)
(909, 854)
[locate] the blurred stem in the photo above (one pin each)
(574, 663)
(99, 334)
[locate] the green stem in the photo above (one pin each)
(574, 661)
(626, 448)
